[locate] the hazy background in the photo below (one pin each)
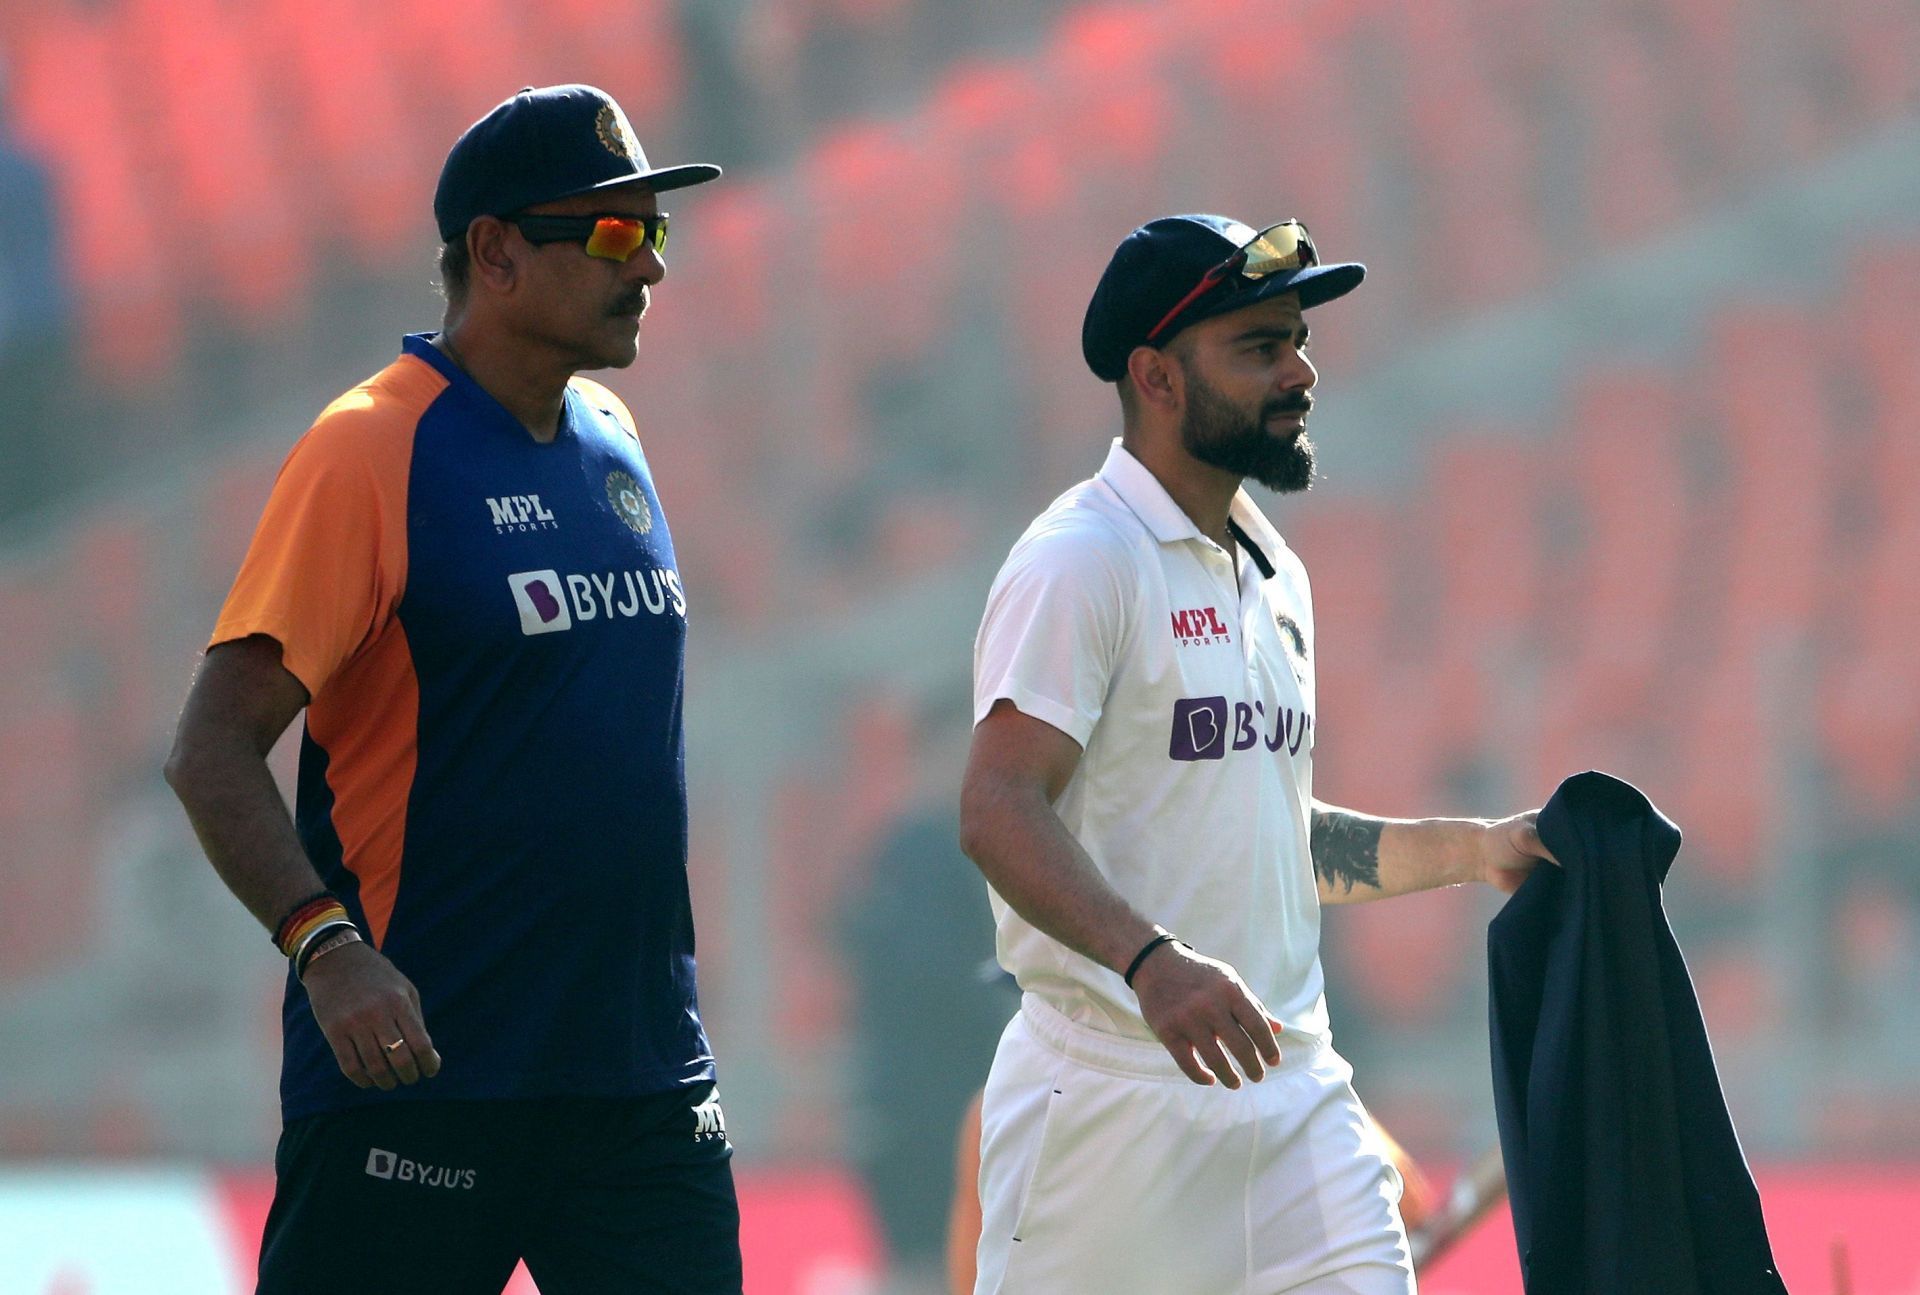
(1621, 448)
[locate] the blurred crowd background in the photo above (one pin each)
(1621, 447)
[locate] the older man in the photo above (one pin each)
(493, 1048)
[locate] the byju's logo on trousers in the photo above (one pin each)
(382, 1163)
(542, 604)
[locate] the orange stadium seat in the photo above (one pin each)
(632, 50)
(1409, 959)
(111, 627)
(1734, 750)
(47, 884)
(1621, 437)
(130, 297)
(1347, 545)
(1711, 103)
(363, 177)
(1634, 180)
(1774, 434)
(452, 82)
(1879, 43)
(1476, 241)
(228, 213)
(1478, 568)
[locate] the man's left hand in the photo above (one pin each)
(1510, 850)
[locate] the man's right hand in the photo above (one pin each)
(1198, 1005)
(363, 1004)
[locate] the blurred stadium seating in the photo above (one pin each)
(1619, 438)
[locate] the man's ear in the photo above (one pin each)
(491, 248)
(1158, 381)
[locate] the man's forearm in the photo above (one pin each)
(242, 822)
(1025, 851)
(1358, 857)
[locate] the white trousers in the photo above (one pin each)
(1105, 1171)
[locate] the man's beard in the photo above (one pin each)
(1218, 433)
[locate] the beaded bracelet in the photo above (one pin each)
(308, 916)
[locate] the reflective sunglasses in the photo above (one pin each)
(611, 236)
(1285, 246)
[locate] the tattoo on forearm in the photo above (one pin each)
(1346, 849)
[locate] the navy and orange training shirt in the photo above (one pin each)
(493, 634)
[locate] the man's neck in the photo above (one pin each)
(1203, 492)
(512, 373)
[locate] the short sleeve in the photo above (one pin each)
(601, 397)
(1053, 628)
(327, 564)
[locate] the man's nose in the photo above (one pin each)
(646, 265)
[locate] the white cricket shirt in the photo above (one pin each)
(1189, 686)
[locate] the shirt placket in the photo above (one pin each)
(1226, 581)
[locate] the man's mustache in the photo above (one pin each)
(1295, 404)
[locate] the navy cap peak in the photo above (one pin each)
(542, 144)
(1160, 263)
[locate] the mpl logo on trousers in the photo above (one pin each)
(709, 1122)
(542, 601)
(382, 1163)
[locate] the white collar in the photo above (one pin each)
(1141, 491)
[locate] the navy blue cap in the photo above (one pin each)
(546, 144)
(1161, 262)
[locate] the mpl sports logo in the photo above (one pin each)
(549, 602)
(382, 1163)
(1199, 626)
(520, 513)
(1206, 728)
(709, 1121)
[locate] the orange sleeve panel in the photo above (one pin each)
(328, 561)
(324, 577)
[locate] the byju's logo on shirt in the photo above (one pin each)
(543, 606)
(1198, 626)
(1202, 730)
(520, 513)
(549, 601)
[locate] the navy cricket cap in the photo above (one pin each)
(546, 144)
(1161, 262)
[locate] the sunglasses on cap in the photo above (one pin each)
(1285, 246)
(612, 236)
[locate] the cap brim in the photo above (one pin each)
(1320, 284)
(659, 179)
(1317, 285)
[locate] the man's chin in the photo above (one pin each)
(618, 350)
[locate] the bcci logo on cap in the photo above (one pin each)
(542, 601)
(616, 136)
